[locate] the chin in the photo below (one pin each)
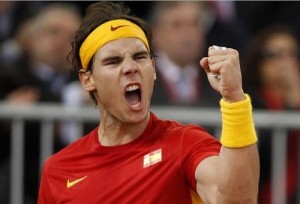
(138, 117)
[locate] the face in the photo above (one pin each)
(280, 60)
(122, 80)
(179, 33)
(53, 43)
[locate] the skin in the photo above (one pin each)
(180, 33)
(232, 176)
(121, 63)
(55, 35)
(286, 87)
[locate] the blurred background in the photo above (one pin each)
(43, 107)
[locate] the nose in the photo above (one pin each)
(129, 65)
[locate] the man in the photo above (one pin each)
(179, 41)
(38, 74)
(135, 157)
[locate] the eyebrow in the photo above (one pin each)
(110, 58)
(117, 57)
(141, 53)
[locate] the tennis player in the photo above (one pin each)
(133, 156)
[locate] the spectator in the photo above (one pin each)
(40, 75)
(272, 76)
(17, 47)
(179, 40)
(13, 13)
(44, 67)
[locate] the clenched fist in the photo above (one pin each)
(222, 66)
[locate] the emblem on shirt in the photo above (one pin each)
(74, 182)
(152, 158)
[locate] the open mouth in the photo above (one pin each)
(133, 94)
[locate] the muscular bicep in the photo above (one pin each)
(206, 179)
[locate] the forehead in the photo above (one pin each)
(181, 10)
(120, 47)
(54, 19)
(281, 39)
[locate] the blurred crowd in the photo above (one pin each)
(35, 39)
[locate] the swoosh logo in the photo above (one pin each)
(72, 183)
(117, 27)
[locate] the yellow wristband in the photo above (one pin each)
(238, 128)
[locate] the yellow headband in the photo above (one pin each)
(109, 31)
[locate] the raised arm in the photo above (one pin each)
(232, 177)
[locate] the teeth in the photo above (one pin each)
(132, 87)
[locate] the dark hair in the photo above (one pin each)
(254, 54)
(97, 14)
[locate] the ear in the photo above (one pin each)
(87, 80)
(154, 68)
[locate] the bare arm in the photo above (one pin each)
(232, 177)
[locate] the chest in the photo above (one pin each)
(137, 176)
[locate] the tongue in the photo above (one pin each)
(132, 97)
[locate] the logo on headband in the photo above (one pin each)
(117, 27)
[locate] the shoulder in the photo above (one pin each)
(178, 129)
(72, 151)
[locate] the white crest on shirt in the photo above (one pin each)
(152, 158)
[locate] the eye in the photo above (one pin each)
(141, 56)
(270, 53)
(114, 61)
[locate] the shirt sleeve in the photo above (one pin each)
(196, 145)
(44, 196)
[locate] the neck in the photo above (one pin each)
(113, 134)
